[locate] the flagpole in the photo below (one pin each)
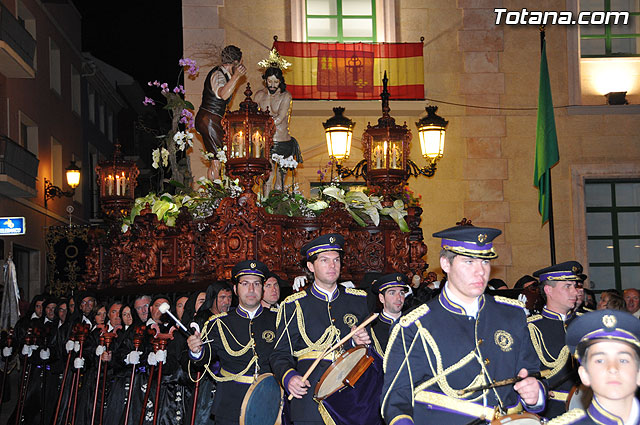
(552, 233)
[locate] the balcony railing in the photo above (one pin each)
(17, 47)
(18, 169)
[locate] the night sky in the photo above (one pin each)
(141, 37)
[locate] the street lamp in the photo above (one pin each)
(73, 180)
(431, 130)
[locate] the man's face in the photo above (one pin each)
(271, 291)
(142, 308)
(249, 291)
(50, 311)
(38, 308)
(202, 296)
(180, 306)
(273, 84)
(467, 276)
(562, 297)
(604, 299)
(632, 298)
(223, 301)
(326, 268)
(155, 309)
(114, 314)
(611, 370)
(62, 312)
(87, 304)
(392, 300)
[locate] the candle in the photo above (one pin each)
(124, 184)
(117, 185)
(110, 184)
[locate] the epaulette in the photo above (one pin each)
(568, 418)
(579, 313)
(534, 318)
(509, 301)
(217, 316)
(358, 292)
(273, 309)
(412, 316)
(294, 297)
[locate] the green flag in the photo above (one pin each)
(546, 140)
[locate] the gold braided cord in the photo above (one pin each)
(324, 414)
(482, 365)
(225, 343)
(538, 344)
(321, 343)
(376, 343)
(394, 333)
(235, 376)
(392, 337)
(440, 374)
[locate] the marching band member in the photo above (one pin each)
(242, 339)
(312, 320)
(392, 290)
(460, 340)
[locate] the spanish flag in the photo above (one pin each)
(352, 71)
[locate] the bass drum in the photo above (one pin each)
(579, 397)
(262, 404)
(524, 418)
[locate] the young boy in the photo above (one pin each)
(607, 345)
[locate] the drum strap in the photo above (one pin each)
(558, 395)
(462, 406)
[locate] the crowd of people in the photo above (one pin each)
(85, 360)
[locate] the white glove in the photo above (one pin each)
(26, 350)
(409, 292)
(161, 356)
(45, 354)
(299, 282)
(132, 358)
(76, 346)
(69, 345)
(523, 298)
(99, 350)
(6, 351)
(151, 359)
(348, 284)
(78, 363)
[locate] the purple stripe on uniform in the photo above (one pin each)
(467, 245)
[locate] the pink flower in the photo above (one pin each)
(193, 68)
(179, 89)
(186, 117)
(164, 87)
(148, 101)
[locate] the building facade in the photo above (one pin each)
(484, 78)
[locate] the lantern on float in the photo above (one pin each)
(117, 179)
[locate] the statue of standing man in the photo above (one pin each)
(277, 99)
(218, 89)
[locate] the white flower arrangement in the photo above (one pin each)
(222, 155)
(183, 139)
(283, 162)
(160, 154)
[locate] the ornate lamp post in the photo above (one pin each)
(73, 180)
(431, 129)
(117, 181)
(248, 136)
(386, 150)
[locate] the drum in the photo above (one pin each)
(262, 404)
(524, 418)
(349, 390)
(579, 397)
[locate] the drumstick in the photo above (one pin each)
(502, 383)
(164, 308)
(336, 345)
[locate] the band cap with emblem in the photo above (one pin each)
(391, 280)
(470, 241)
(324, 243)
(601, 325)
(249, 267)
(569, 270)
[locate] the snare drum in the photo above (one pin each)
(523, 418)
(349, 390)
(579, 397)
(262, 404)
